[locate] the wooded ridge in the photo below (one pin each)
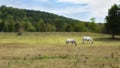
(13, 19)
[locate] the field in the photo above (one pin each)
(49, 50)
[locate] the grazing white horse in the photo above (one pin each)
(71, 41)
(88, 39)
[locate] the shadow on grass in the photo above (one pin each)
(107, 39)
(39, 57)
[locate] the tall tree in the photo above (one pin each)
(92, 26)
(113, 21)
(92, 20)
(1, 25)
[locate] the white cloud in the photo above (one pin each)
(96, 8)
(100, 8)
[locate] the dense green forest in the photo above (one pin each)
(14, 19)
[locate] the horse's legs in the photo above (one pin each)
(74, 43)
(67, 42)
(88, 41)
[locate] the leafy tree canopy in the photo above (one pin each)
(113, 21)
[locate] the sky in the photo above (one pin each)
(82, 10)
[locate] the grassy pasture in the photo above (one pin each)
(48, 50)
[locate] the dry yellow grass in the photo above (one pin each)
(30, 56)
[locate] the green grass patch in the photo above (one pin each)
(54, 38)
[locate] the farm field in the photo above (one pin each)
(49, 50)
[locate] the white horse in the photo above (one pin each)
(71, 41)
(88, 39)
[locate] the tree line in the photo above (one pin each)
(14, 19)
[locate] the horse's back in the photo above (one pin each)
(70, 40)
(87, 38)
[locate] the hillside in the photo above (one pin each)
(14, 19)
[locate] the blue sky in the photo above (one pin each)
(77, 9)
